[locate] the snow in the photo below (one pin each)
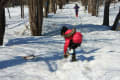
(98, 57)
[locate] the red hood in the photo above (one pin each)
(68, 31)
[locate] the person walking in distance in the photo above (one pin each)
(76, 7)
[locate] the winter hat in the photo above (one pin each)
(63, 30)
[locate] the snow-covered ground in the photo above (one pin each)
(98, 57)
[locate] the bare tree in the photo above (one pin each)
(60, 3)
(89, 6)
(94, 2)
(106, 13)
(2, 20)
(54, 6)
(46, 7)
(116, 21)
(36, 16)
(22, 8)
(97, 7)
(51, 6)
(67, 1)
(9, 12)
(85, 4)
(2, 24)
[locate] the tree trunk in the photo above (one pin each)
(9, 12)
(67, 1)
(2, 24)
(86, 4)
(116, 21)
(54, 6)
(106, 13)
(60, 3)
(89, 6)
(40, 16)
(36, 16)
(97, 7)
(46, 8)
(51, 6)
(22, 8)
(2, 20)
(94, 7)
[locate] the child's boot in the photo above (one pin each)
(66, 55)
(73, 57)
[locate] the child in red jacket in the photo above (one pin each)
(73, 40)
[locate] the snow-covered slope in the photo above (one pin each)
(98, 57)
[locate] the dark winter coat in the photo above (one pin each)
(76, 8)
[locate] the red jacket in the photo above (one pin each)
(76, 37)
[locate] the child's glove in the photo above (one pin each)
(66, 55)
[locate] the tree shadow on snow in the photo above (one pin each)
(33, 40)
(84, 28)
(52, 16)
(81, 57)
(49, 60)
(12, 62)
(82, 51)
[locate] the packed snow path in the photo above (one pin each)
(98, 57)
